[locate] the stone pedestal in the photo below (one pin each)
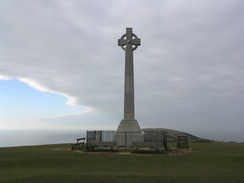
(182, 142)
(127, 132)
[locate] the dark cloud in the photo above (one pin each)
(188, 70)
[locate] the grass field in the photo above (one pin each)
(212, 162)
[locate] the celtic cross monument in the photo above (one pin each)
(128, 129)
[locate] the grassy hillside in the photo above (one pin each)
(209, 162)
(173, 135)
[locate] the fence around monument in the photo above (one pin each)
(109, 136)
(100, 136)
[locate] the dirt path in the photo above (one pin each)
(171, 152)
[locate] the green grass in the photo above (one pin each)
(212, 162)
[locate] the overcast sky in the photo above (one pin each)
(61, 67)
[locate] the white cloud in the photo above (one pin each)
(71, 100)
(5, 78)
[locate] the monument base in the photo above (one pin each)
(128, 131)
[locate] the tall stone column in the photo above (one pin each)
(129, 129)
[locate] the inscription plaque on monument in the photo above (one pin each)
(128, 129)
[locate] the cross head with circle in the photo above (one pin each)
(129, 39)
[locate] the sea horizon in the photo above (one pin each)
(13, 138)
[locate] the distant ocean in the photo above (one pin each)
(10, 138)
(38, 137)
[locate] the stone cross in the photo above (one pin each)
(129, 42)
(129, 130)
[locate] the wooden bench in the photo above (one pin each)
(139, 144)
(93, 144)
(78, 143)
